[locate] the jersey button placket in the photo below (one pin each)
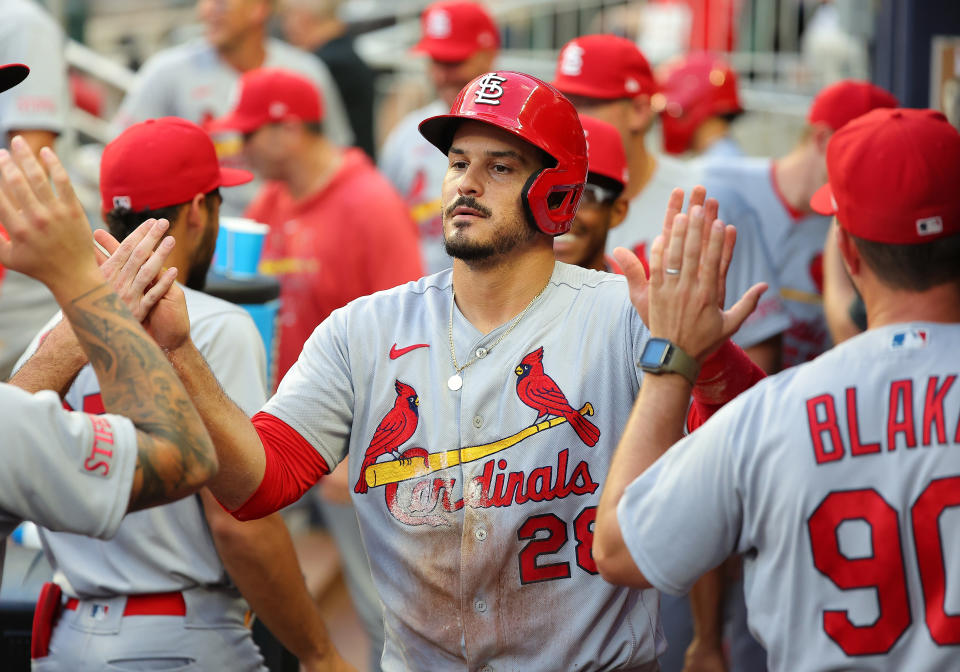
(480, 605)
(480, 533)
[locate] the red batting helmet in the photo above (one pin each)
(699, 87)
(535, 112)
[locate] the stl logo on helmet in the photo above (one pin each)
(438, 24)
(489, 90)
(571, 60)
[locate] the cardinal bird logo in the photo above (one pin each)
(538, 391)
(397, 426)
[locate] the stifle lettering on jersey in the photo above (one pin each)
(101, 452)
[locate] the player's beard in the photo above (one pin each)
(502, 240)
(201, 258)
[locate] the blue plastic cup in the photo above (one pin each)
(220, 261)
(244, 245)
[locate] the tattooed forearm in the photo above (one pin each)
(175, 454)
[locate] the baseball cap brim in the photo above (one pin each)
(231, 177)
(445, 51)
(233, 122)
(823, 202)
(12, 74)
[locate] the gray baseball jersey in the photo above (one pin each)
(67, 471)
(191, 81)
(839, 481)
(747, 193)
(750, 264)
(165, 548)
(30, 35)
(480, 537)
(415, 168)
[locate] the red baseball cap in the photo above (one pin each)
(894, 177)
(603, 66)
(455, 31)
(161, 162)
(844, 101)
(605, 154)
(696, 88)
(12, 74)
(268, 95)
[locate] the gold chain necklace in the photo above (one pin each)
(455, 382)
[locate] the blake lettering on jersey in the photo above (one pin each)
(833, 439)
(101, 452)
(425, 497)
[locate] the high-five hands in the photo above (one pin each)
(683, 298)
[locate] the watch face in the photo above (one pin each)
(653, 352)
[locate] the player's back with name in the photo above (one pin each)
(848, 477)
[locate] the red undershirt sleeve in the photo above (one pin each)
(292, 467)
(723, 376)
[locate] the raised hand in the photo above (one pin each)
(161, 307)
(50, 238)
(135, 267)
(632, 267)
(687, 277)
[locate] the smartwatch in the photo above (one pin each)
(661, 356)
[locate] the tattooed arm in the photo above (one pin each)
(50, 240)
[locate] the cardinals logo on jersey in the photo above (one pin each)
(397, 426)
(539, 391)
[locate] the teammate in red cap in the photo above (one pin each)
(775, 194)
(838, 478)
(700, 102)
(461, 40)
(190, 556)
(478, 516)
(603, 205)
(607, 77)
(338, 230)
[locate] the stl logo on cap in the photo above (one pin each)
(278, 109)
(438, 24)
(489, 89)
(571, 60)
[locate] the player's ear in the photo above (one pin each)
(618, 211)
(848, 251)
(197, 212)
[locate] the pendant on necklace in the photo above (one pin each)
(455, 382)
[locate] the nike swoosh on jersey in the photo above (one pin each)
(400, 352)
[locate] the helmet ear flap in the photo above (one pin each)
(551, 206)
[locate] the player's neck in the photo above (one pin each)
(246, 53)
(642, 165)
(887, 306)
(794, 179)
(493, 295)
(708, 133)
(312, 169)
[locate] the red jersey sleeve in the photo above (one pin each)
(724, 375)
(292, 467)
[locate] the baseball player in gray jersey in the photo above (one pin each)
(177, 568)
(197, 80)
(478, 407)
(94, 468)
(608, 77)
(838, 479)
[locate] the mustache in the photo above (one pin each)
(468, 202)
